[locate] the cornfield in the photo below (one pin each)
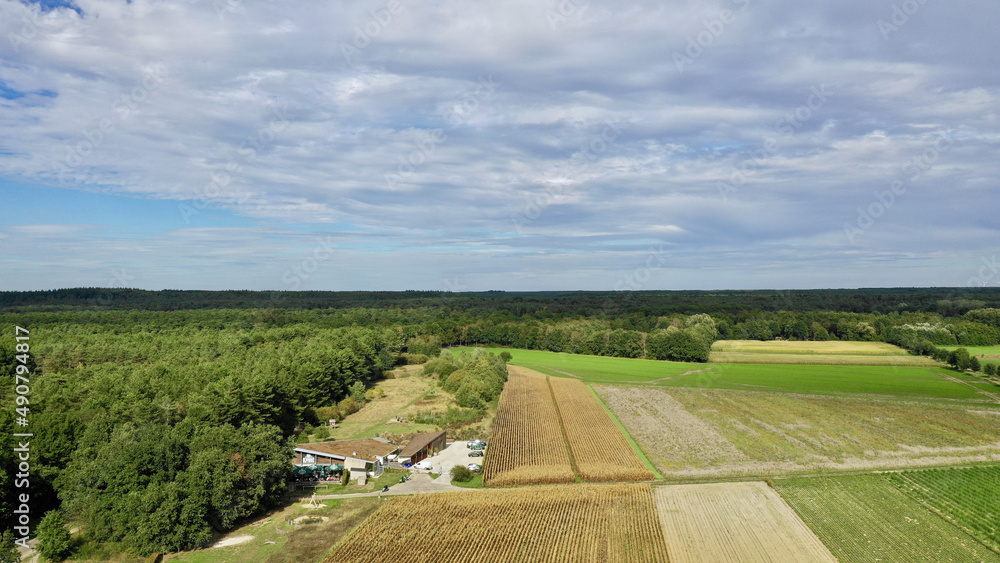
(598, 447)
(598, 523)
(526, 446)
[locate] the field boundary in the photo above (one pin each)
(628, 437)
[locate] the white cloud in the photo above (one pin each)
(255, 110)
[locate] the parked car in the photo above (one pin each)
(476, 444)
(474, 467)
(426, 465)
(476, 453)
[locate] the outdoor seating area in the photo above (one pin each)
(317, 473)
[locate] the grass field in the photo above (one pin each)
(986, 354)
(866, 518)
(908, 382)
(817, 353)
(969, 497)
(746, 522)
(581, 523)
(596, 368)
(304, 541)
(401, 393)
(704, 433)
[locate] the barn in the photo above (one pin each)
(422, 446)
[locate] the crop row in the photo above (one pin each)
(598, 447)
(598, 523)
(968, 497)
(527, 445)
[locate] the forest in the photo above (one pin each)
(155, 429)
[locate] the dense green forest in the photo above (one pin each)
(945, 301)
(156, 428)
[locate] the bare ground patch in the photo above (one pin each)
(671, 436)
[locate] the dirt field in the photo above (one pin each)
(555, 523)
(713, 433)
(746, 522)
(670, 436)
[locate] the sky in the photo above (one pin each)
(517, 145)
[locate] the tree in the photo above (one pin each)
(53, 536)
(357, 391)
(974, 364)
(990, 369)
(8, 550)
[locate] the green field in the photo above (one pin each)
(866, 518)
(977, 350)
(968, 497)
(986, 354)
(595, 368)
(897, 381)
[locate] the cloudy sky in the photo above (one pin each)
(518, 145)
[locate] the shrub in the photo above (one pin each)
(347, 406)
(321, 434)
(990, 369)
(53, 536)
(461, 474)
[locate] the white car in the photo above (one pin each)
(425, 465)
(474, 467)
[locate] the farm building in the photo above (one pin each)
(368, 454)
(423, 445)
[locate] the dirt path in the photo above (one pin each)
(419, 483)
(992, 396)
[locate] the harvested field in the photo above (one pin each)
(671, 437)
(815, 353)
(820, 359)
(829, 347)
(581, 523)
(700, 433)
(527, 445)
(599, 450)
(745, 522)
